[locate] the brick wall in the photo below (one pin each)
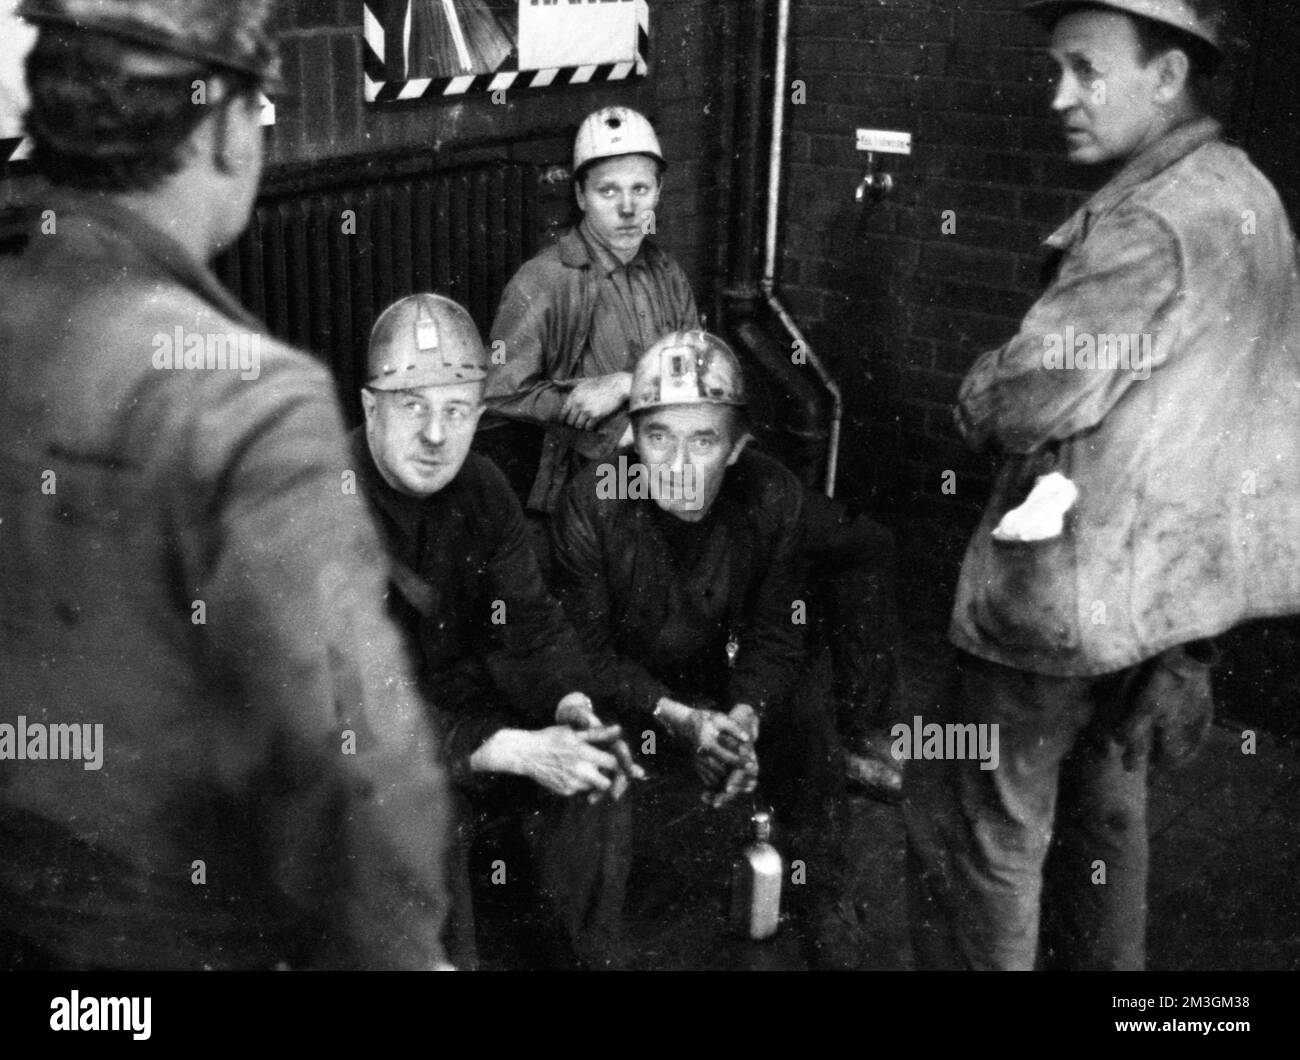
(900, 307)
(325, 115)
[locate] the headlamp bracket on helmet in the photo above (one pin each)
(687, 368)
(424, 340)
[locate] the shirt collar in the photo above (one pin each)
(1171, 148)
(578, 249)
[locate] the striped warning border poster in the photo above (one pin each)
(416, 49)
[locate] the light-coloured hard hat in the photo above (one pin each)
(1203, 21)
(687, 368)
(611, 132)
(424, 340)
(227, 33)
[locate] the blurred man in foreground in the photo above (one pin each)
(180, 583)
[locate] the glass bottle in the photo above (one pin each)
(756, 884)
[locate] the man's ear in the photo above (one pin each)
(236, 130)
(577, 195)
(739, 448)
(1173, 73)
(368, 404)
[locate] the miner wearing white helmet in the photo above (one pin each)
(573, 320)
(681, 562)
(527, 755)
(569, 329)
(264, 787)
(1147, 498)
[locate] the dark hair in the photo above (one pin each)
(1157, 38)
(96, 127)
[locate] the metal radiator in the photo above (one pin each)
(318, 264)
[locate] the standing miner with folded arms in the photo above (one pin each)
(541, 779)
(177, 563)
(572, 323)
(1147, 498)
(686, 591)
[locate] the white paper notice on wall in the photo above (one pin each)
(16, 38)
(584, 33)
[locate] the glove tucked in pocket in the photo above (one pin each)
(1026, 596)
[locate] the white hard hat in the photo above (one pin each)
(611, 132)
(424, 340)
(1204, 21)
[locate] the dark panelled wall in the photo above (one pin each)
(327, 117)
(318, 267)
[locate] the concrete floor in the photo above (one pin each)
(1225, 860)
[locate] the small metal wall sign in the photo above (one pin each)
(882, 141)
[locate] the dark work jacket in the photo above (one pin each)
(272, 734)
(656, 599)
(494, 648)
(554, 335)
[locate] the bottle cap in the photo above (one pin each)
(762, 826)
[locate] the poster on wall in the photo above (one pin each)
(415, 49)
(16, 39)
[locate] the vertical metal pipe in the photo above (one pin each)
(746, 190)
(773, 219)
(727, 189)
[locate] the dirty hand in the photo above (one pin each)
(725, 784)
(576, 711)
(593, 399)
(719, 736)
(565, 761)
(742, 780)
(747, 718)
(722, 746)
(1173, 710)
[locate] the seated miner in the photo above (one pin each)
(680, 560)
(572, 323)
(540, 778)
